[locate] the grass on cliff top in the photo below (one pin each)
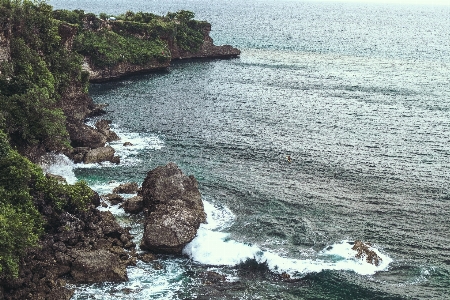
(136, 38)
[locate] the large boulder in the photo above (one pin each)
(175, 209)
(81, 135)
(99, 155)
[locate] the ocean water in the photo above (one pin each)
(357, 94)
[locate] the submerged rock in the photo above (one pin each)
(175, 209)
(363, 250)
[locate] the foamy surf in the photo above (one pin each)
(58, 164)
(213, 247)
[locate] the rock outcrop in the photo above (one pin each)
(174, 209)
(84, 247)
(364, 251)
(207, 50)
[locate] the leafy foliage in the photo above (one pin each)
(40, 71)
(107, 48)
(21, 183)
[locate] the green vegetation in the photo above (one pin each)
(136, 38)
(22, 185)
(42, 71)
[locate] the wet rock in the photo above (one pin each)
(175, 209)
(99, 155)
(116, 160)
(113, 198)
(126, 144)
(81, 135)
(97, 266)
(211, 277)
(146, 257)
(104, 128)
(364, 251)
(133, 205)
(126, 188)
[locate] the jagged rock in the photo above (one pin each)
(126, 144)
(113, 198)
(97, 266)
(363, 250)
(207, 49)
(126, 188)
(82, 135)
(104, 128)
(175, 209)
(99, 155)
(133, 205)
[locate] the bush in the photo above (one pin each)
(22, 183)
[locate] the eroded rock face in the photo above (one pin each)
(175, 209)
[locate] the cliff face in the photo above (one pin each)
(207, 50)
(120, 69)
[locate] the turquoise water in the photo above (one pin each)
(356, 94)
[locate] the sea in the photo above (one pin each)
(356, 94)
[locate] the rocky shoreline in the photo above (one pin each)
(90, 246)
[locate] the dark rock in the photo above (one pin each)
(211, 277)
(116, 160)
(113, 198)
(363, 250)
(127, 144)
(133, 205)
(175, 209)
(99, 155)
(104, 128)
(126, 188)
(146, 257)
(97, 266)
(81, 135)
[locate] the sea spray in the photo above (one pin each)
(213, 247)
(58, 164)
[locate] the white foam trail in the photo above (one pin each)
(58, 164)
(216, 248)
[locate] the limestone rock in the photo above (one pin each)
(175, 209)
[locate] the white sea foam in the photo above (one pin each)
(140, 142)
(58, 164)
(213, 247)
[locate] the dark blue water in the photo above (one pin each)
(356, 94)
